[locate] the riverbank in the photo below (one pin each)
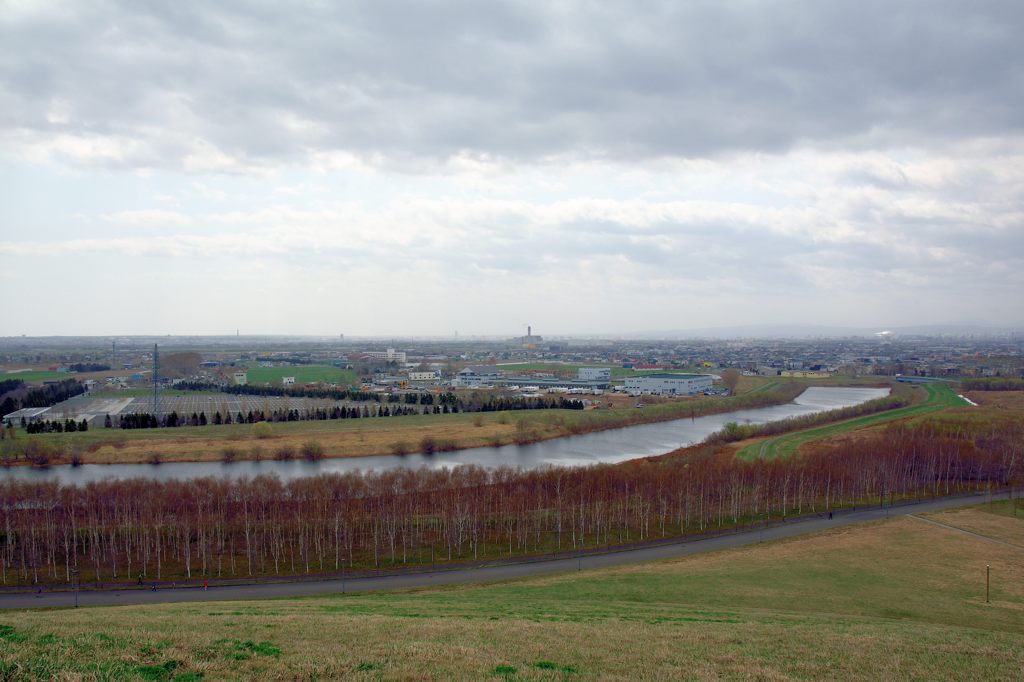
(367, 437)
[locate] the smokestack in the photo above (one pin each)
(529, 331)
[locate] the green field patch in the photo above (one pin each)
(162, 671)
(304, 374)
(37, 376)
(9, 634)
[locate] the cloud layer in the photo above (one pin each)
(200, 86)
(586, 165)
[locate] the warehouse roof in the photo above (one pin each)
(671, 375)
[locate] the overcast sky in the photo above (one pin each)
(386, 168)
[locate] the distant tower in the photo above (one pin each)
(113, 354)
(156, 381)
(529, 331)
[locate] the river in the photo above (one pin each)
(611, 446)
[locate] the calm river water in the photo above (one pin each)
(615, 445)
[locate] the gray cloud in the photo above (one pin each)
(261, 84)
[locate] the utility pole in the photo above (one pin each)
(74, 577)
(988, 573)
(156, 382)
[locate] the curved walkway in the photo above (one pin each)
(499, 571)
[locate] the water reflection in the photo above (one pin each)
(616, 445)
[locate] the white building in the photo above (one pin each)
(477, 376)
(424, 376)
(287, 381)
(669, 384)
(241, 378)
(390, 355)
(595, 374)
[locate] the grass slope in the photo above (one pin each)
(899, 599)
(938, 397)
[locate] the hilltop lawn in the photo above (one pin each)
(898, 599)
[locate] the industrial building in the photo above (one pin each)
(555, 382)
(478, 375)
(595, 374)
(669, 384)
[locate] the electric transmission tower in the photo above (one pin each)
(156, 382)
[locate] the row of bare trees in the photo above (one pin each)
(140, 529)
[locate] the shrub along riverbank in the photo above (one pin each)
(734, 432)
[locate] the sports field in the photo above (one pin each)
(304, 374)
(937, 397)
(898, 599)
(38, 376)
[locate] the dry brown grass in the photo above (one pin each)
(997, 522)
(1000, 400)
(356, 442)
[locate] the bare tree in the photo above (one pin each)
(731, 378)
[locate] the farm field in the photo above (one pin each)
(35, 376)
(304, 374)
(937, 397)
(898, 599)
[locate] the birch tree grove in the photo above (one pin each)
(126, 531)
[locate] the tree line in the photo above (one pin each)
(88, 367)
(145, 420)
(993, 384)
(145, 529)
(55, 426)
(45, 396)
(331, 393)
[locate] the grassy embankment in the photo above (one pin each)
(898, 599)
(386, 435)
(937, 397)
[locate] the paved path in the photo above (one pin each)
(964, 531)
(481, 573)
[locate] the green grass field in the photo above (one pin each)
(898, 599)
(37, 376)
(937, 397)
(304, 374)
